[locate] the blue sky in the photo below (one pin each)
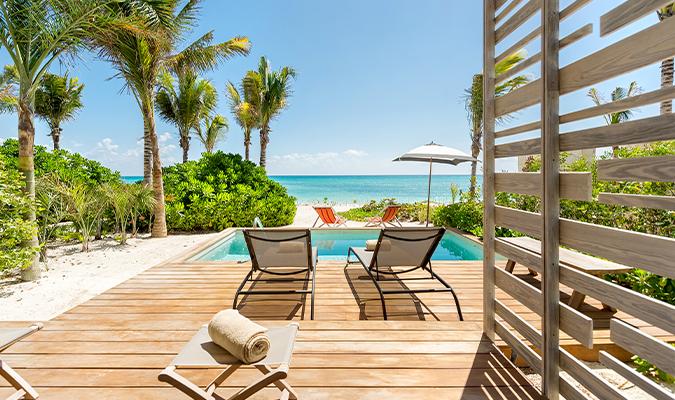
(375, 78)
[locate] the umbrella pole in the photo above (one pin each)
(431, 161)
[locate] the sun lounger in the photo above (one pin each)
(388, 217)
(280, 252)
(328, 217)
(202, 353)
(399, 251)
(7, 338)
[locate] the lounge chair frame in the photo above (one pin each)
(339, 221)
(23, 389)
(377, 275)
(309, 270)
(380, 221)
(283, 340)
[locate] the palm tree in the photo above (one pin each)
(244, 113)
(57, 99)
(35, 33)
(186, 104)
(214, 130)
(140, 58)
(269, 92)
(667, 64)
(473, 100)
(617, 94)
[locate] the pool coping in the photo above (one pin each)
(188, 256)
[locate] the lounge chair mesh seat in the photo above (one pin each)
(399, 251)
(280, 252)
(201, 353)
(7, 338)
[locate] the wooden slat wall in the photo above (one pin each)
(634, 249)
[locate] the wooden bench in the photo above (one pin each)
(585, 263)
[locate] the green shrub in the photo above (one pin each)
(221, 191)
(65, 165)
(411, 212)
(14, 230)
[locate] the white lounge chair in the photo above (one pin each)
(201, 352)
(7, 338)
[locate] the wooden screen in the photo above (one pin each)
(538, 343)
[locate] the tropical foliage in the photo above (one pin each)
(14, 229)
(185, 103)
(473, 102)
(212, 131)
(57, 100)
(244, 113)
(411, 212)
(268, 91)
(223, 190)
(619, 93)
(36, 33)
(140, 57)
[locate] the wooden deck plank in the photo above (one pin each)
(113, 346)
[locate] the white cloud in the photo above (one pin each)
(107, 147)
(355, 153)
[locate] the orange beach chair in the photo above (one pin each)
(328, 217)
(388, 217)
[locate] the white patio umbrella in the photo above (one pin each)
(435, 153)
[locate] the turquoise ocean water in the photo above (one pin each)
(363, 188)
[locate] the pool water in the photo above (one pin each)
(334, 244)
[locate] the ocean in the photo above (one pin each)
(345, 189)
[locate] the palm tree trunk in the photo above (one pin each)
(666, 81)
(159, 226)
(247, 144)
(476, 135)
(56, 137)
(147, 154)
(264, 140)
(185, 145)
(27, 168)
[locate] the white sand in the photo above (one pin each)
(74, 277)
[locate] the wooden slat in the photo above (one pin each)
(628, 12)
(564, 42)
(646, 47)
(518, 323)
(632, 132)
(652, 388)
(634, 249)
(518, 19)
(488, 168)
(641, 49)
(643, 169)
(570, 392)
(655, 312)
(582, 374)
(639, 100)
(565, 13)
(573, 185)
(532, 126)
(572, 322)
(637, 342)
(637, 200)
(502, 14)
(498, 4)
(523, 221)
(530, 356)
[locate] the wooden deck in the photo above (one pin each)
(115, 345)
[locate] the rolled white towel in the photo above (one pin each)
(240, 336)
(384, 246)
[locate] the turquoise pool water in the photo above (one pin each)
(333, 245)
